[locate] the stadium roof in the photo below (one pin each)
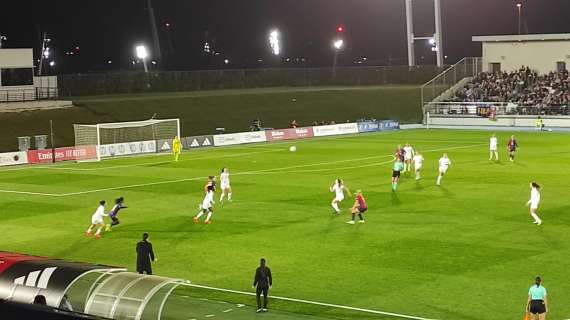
(523, 37)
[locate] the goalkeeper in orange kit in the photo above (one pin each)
(176, 147)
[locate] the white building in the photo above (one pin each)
(541, 52)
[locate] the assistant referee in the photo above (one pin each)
(262, 283)
(537, 305)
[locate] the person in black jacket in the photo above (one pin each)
(144, 255)
(262, 283)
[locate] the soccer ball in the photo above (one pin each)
(292, 148)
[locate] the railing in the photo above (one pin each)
(491, 109)
(31, 94)
(465, 68)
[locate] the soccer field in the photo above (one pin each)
(465, 250)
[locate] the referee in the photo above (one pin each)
(537, 304)
(262, 283)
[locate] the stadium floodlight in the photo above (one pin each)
(142, 53)
(432, 41)
(47, 52)
(52, 63)
(275, 42)
(338, 44)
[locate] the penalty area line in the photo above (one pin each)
(324, 304)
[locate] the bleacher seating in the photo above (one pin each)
(531, 92)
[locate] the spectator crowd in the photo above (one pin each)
(531, 92)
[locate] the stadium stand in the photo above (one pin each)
(533, 94)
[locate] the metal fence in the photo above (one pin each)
(487, 109)
(28, 94)
(138, 82)
(465, 68)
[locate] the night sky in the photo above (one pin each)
(108, 30)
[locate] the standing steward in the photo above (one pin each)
(262, 283)
(144, 255)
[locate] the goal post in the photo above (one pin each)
(122, 138)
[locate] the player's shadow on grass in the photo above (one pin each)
(394, 199)
(519, 164)
(418, 186)
(446, 191)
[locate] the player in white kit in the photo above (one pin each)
(338, 188)
(97, 220)
(418, 163)
(493, 148)
(408, 156)
(225, 185)
(444, 164)
(534, 202)
(207, 204)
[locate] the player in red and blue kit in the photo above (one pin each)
(512, 146)
(114, 213)
(358, 208)
(400, 153)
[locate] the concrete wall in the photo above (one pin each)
(16, 58)
(502, 121)
(539, 55)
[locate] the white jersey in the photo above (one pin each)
(339, 191)
(534, 198)
(418, 161)
(97, 217)
(493, 144)
(225, 180)
(408, 153)
(444, 164)
(208, 199)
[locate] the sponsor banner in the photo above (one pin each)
(25, 278)
(163, 145)
(127, 148)
(239, 138)
(288, 134)
(13, 158)
(62, 154)
(389, 125)
(197, 142)
(368, 126)
(335, 129)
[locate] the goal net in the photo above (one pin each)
(105, 140)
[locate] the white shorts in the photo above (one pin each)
(418, 166)
(493, 149)
(408, 157)
(96, 221)
(206, 204)
(225, 186)
(443, 169)
(339, 198)
(534, 205)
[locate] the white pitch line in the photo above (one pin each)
(273, 170)
(155, 162)
(228, 310)
(31, 193)
(385, 313)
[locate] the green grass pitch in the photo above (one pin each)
(465, 250)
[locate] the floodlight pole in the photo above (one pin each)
(154, 31)
(438, 36)
(410, 33)
(438, 32)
